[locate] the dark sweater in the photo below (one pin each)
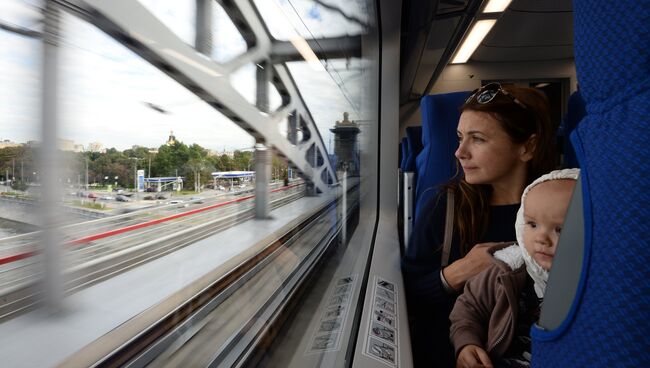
(428, 304)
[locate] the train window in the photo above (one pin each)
(227, 40)
(243, 80)
(99, 73)
(20, 124)
(186, 213)
(336, 85)
(178, 16)
(310, 20)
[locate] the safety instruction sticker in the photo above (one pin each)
(327, 334)
(382, 341)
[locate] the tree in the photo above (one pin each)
(278, 168)
(225, 163)
(196, 165)
(170, 159)
(243, 160)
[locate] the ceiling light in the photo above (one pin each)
(471, 42)
(307, 53)
(496, 6)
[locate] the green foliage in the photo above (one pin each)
(179, 159)
(243, 160)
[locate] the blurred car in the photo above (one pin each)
(92, 195)
(151, 189)
(196, 199)
(221, 187)
(121, 198)
(160, 196)
(149, 198)
(175, 201)
(106, 198)
(118, 190)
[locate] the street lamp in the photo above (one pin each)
(116, 181)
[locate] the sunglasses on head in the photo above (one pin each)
(488, 92)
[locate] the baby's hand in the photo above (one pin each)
(472, 356)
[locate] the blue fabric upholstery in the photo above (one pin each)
(405, 153)
(609, 323)
(576, 110)
(414, 138)
(436, 163)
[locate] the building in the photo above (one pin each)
(345, 145)
(172, 139)
(67, 145)
(96, 147)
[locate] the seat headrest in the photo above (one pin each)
(436, 163)
(414, 139)
(612, 51)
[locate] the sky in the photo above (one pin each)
(104, 87)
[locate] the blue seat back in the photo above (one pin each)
(414, 139)
(576, 111)
(608, 324)
(436, 163)
(404, 153)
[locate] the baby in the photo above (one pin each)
(491, 320)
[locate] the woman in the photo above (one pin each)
(506, 140)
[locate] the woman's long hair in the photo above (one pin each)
(472, 201)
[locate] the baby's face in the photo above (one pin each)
(544, 210)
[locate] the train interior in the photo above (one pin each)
(300, 265)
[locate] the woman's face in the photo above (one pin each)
(485, 150)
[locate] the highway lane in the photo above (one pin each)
(91, 261)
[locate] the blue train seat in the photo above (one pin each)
(436, 163)
(608, 323)
(414, 139)
(576, 111)
(404, 153)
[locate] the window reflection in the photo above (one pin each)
(178, 15)
(309, 19)
(140, 148)
(227, 41)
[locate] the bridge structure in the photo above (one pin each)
(134, 26)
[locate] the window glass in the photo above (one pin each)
(308, 19)
(178, 15)
(99, 74)
(20, 113)
(227, 41)
(329, 92)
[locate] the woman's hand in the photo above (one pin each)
(478, 258)
(472, 356)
